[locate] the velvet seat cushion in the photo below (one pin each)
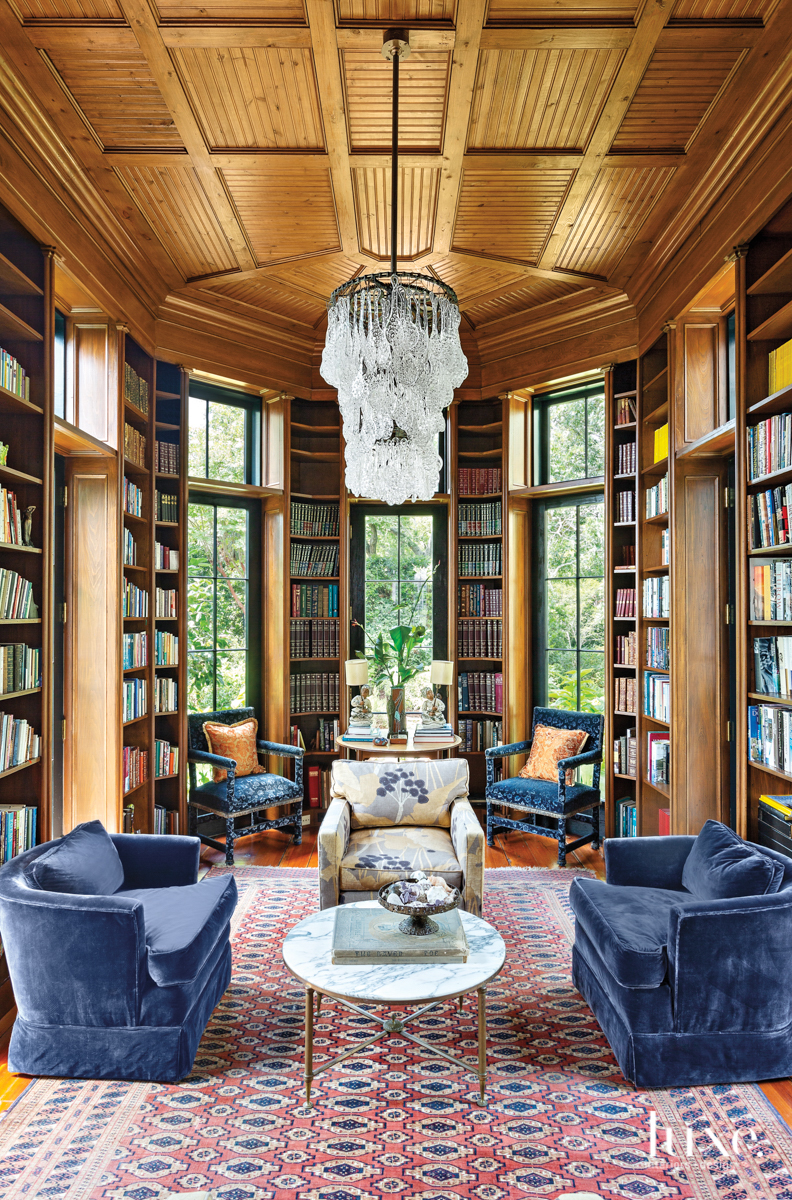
(539, 795)
(183, 926)
(83, 863)
(375, 857)
(628, 926)
(722, 866)
(252, 792)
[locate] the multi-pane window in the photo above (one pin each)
(218, 586)
(224, 434)
(570, 434)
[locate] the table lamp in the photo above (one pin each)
(356, 672)
(441, 673)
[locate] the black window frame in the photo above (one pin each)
(542, 404)
(59, 367)
(251, 406)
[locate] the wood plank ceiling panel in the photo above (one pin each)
(418, 187)
(287, 213)
(471, 277)
(423, 91)
(539, 99)
(531, 295)
(723, 10)
(117, 93)
(227, 12)
(613, 213)
(580, 12)
(320, 275)
(263, 296)
(394, 12)
(253, 98)
(673, 98)
(176, 206)
(88, 10)
(509, 213)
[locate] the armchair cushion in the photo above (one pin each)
(628, 926)
(83, 863)
(721, 866)
(183, 926)
(375, 857)
(250, 793)
(387, 794)
(236, 741)
(550, 745)
(539, 795)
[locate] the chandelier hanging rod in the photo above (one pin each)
(396, 45)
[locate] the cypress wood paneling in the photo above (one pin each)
(509, 213)
(287, 213)
(93, 357)
(700, 350)
(282, 12)
(423, 88)
(394, 12)
(418, 188)
(532, 294)
(546, 12)
(470, 277)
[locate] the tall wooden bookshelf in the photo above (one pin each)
(26, 423)
(481, 436)
(317, 642)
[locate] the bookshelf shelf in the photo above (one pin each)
(657, 381)
(660, 519)
(25, 692)
(20, 549)
(780, 401)
(20, 476)
(21, 621)
(15, 329)
(656, 468)
(11, 404)
(135, 468)
(770, 771)
(479, 496)
(135, 721)
(14, 282)
(777, 326)
(656, 720)
(31, 762)
(662, 788)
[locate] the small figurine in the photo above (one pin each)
(27, 525)
(432, 709)
(361, 708)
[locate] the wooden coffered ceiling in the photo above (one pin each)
(544, 145)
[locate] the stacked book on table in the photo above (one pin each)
(433, 733)
(372, 935)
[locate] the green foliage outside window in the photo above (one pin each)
(575, 611)
(217, 599)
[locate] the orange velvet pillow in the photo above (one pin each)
(236, 741)
(550, 745)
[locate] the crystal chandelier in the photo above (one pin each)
(393, 352)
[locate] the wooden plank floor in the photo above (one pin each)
(275, 849)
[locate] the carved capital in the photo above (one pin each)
(736, 252)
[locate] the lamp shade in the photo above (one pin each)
(356, 671)
(442, 672)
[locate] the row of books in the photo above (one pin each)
(314, 692)
(16, 597)
(134, 445)
(478, 519)
(17, 830)
(165, 820)
(20, 667)
(132, 498)
(627, 818)
(166, 458)
(625, 754)
(166, 695)
(165, 559)
(779, 367)
(769, 447)
(625, 690)
(135, 650)
(314, 520)
(658, 758)
(166, 759)
(314, 600)
(324, 738)
(479, 481)
(482, 558)
(134, 600)
(314, 639)
(135, 767)
(19, 743)
(665, 547)
(625, 505)
(628, 555)
(166, 649)
(480, 735)
(480, 691)
(773, 666)
(625, 410)
(318, 784)
(477, 600)
(13, 376)
(657, 498)
(768, 517)
(129, 549)
(657, 596)
(136, 390)
(166, 603)
(626, 458)
(134, 699)
(310, 558)
(479, 639)
(658, 648)
(625, 602)
(770, 589)
(11, 528)
(657, 696)
(166, 507)
(626, 649)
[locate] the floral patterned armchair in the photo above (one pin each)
(386, 820)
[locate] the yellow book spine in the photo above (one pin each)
(771, 373)
(661, 443)
(782, 808)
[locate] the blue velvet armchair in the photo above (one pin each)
(117, 956)
(684, 955)
(249, 796)
(557, 801)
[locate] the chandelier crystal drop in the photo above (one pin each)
(393, 353)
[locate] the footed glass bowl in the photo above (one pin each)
(417, 917)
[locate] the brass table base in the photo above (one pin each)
(392, 1025)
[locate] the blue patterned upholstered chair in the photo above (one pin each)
(560, 800)
(249, 796)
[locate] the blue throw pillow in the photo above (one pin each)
(84, 863)
(721, 866)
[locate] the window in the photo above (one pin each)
(225, 434)
(731, 367)
(59, 365)
(570, 434)
(219, 619)
(571, 604)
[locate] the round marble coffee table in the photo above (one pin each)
(307, 955)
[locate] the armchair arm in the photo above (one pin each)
(284, 750)
(508, 751)
(152, 861)
(332, 844)
(647, 861)
(214, 760)
(467, 837)
(579, 760)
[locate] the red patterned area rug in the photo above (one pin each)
(560, 1120)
